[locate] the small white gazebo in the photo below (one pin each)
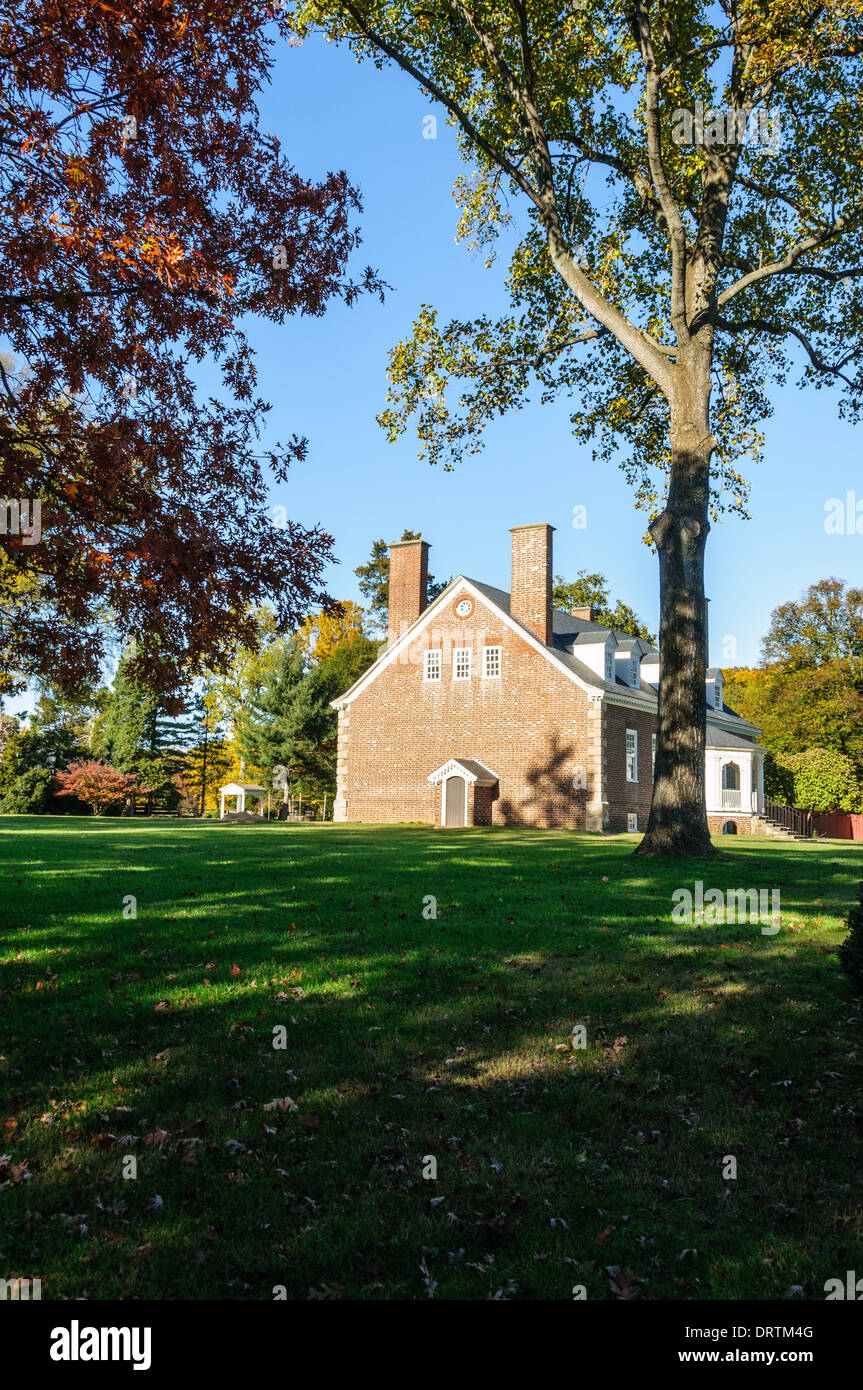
(241, 790)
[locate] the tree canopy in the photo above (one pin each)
(591, 591)
(144, 213)
(678, 189)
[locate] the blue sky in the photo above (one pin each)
(327, 380)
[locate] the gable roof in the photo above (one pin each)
(473, 770)
(565, 631)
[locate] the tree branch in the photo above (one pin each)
(784, 330)
(790, 260)
(671, 212)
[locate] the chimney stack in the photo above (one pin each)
(585, 613)
(408, 585)
(530, 599)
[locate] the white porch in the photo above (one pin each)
(734, 778)
(241, 790)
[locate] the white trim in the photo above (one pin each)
(455, 767)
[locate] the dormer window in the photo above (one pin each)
(609, 665)
(633, 670)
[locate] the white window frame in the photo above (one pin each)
(631, 755)
(430, 665)
(717, 694)
(487, 652)
(631, 820)
(609, 665)
(652, 754)
(633, 670)
(457, 654)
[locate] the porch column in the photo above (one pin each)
(222, 808)
(747, 782)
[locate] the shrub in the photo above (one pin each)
(851, 950)
(27, 794)
(100, 785)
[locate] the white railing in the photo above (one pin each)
(730, 799)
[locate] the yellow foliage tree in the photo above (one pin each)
(321, 633)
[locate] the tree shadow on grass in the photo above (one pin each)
(416, 1038)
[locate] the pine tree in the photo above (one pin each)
(138, 733)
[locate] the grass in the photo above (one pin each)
(406, 1038)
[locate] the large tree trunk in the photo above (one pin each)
(678, 815)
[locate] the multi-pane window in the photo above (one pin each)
(717, 695)
(632, 820)
(609, 664)
(633, 670)
(491, 661)
(652, 753)
(461, 663)
(631, 755)
(432, 666)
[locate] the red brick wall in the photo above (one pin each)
(743, 823)
(623, 796)
(529, 726)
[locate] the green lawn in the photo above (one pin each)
(152, 1038)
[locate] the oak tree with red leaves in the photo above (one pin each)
(96, 784)
(143, 212)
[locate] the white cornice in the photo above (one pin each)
(423, 620)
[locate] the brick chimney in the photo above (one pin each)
(585, 613)
(530, 600)
(408, 585)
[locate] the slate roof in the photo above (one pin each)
(570, 633)
(719, 738)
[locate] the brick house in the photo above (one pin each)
(491, 708)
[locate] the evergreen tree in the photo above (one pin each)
(205, 760)
(290, 722)
(27, 764)
(138, 733)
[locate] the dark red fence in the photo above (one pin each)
(838, 825)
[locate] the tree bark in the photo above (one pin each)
(678, 816)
